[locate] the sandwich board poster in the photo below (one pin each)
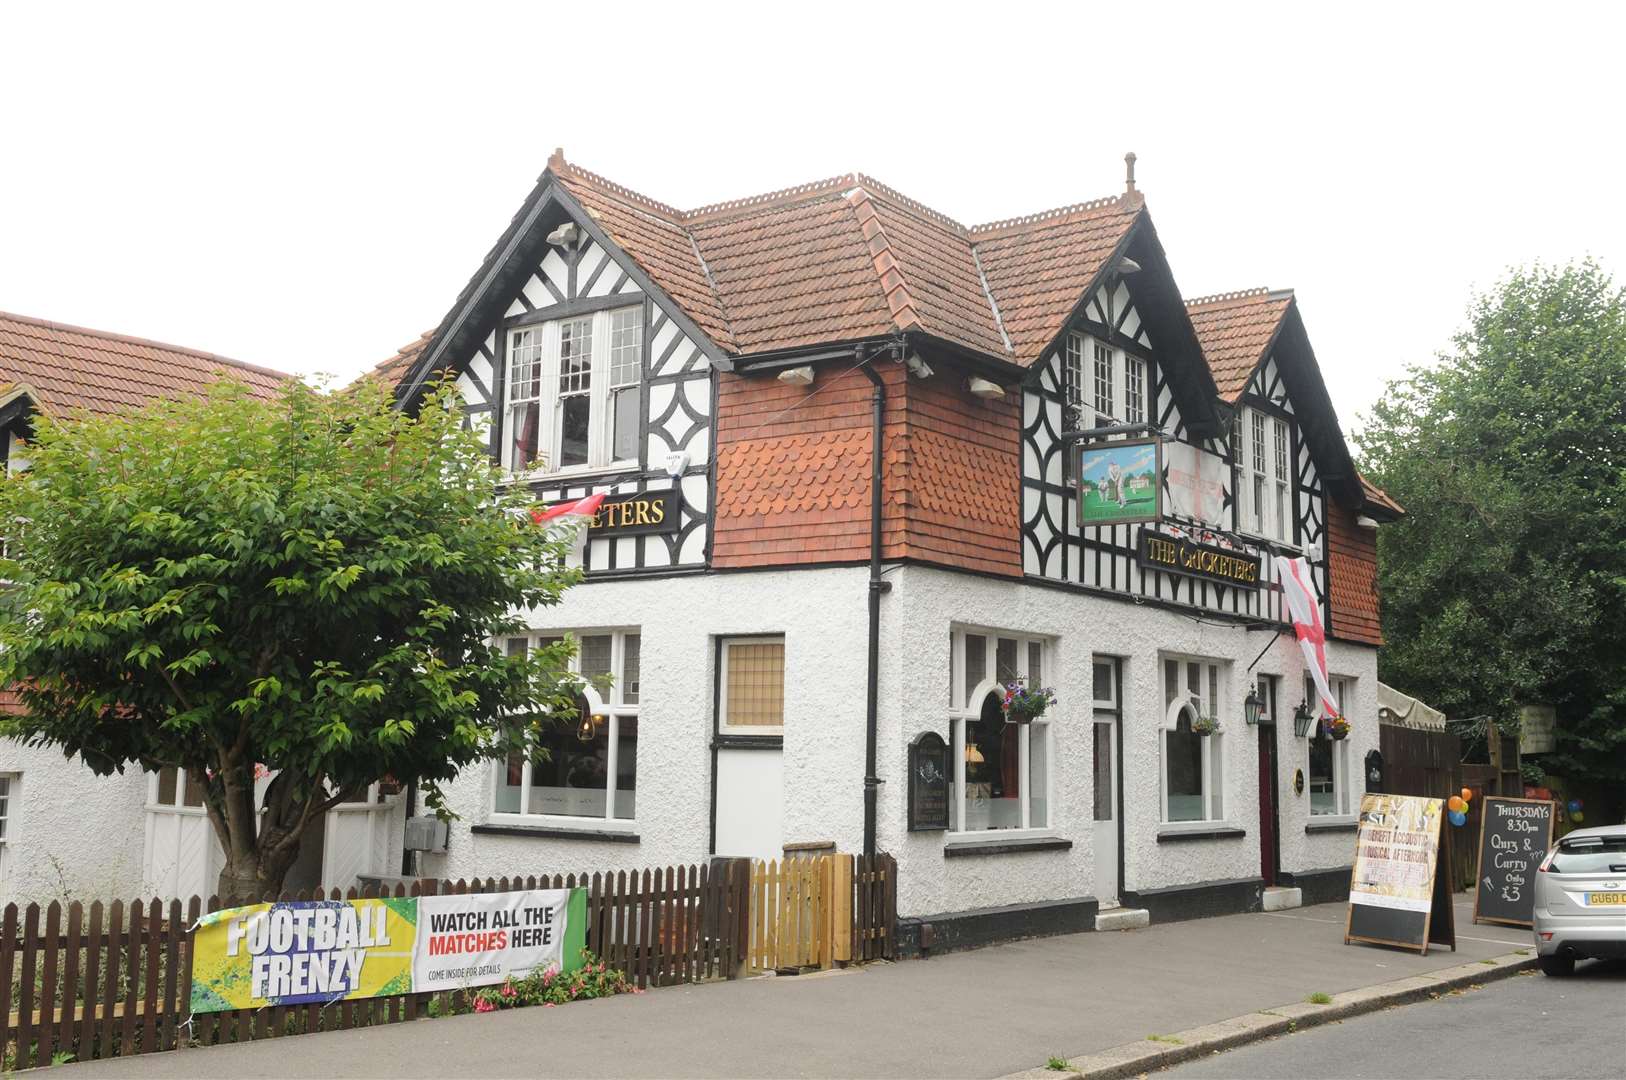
(305, 952)
(1399, 886)
(1118, 482)
(1514, 835)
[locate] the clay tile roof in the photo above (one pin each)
(847, 258)
(1378, 497)
(1039, 265)
(70, 368)
(1235, 329)
(393, 369)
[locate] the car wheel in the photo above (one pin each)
(1557, 964)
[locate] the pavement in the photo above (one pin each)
(1526, 1028)
(984, 1013)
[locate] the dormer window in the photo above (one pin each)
(574, 393)
(1261, 446)
(1116, 387)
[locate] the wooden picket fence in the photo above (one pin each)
(115, 979)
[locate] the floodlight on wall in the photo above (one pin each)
(797, 376)
(988, 391)
(676, 462)
(1126, 265)
(566, 235)
(1366, 523)
(918, 367)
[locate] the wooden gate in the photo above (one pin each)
(820, 912)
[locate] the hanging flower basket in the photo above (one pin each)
(1205, 725)
(1336, 727)
(1022, 705)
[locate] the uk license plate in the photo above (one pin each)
(1597, 899)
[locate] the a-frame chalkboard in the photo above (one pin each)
(1514, 835)
(1400, 883)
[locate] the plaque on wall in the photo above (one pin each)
(928, 783)
(1180, 555)
(640, 513)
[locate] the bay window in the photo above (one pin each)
(583, 773)
(1261, 446)
(574, 392)
(1193, 764)
(1001, 769)
(1327, 776)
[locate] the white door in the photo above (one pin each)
(1105, 760)
(750, 816)
(355, 841)
(181, 856)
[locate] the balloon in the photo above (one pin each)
(1457, 817)
(1574, 805)
(1455, 804)
(1467, 795)
(1578, 817)
(1579, 805)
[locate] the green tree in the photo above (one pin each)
(312, 584)
(1506, 582)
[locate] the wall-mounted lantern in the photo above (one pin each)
(1253, 708)
(1302, 717)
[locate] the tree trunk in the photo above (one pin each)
(256, 876)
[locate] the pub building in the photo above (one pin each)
(866, 467)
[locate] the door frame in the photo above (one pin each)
(1117, 714)
(1268, 728)
(721, 740)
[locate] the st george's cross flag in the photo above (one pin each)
(586, 507)
(1298, 589)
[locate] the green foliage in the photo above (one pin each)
(1056, 1064)
(314, 583)
(1506, 581)
(1319, 998)
(594, 979)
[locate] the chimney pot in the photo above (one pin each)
(1129, 170)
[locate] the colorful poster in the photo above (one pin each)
(321, 951)
(303, 951)
(483, 939)
(1395, 852)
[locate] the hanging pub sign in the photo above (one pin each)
(641, 513)
(1180, 555)
(1400, 885)
(1118, 482)
(928, 783)
(1514, 835)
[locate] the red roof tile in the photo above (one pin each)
(70, 368)
(1378, 497)
(1235, 329)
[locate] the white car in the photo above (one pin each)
(1581, 899)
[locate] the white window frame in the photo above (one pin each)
(616, 709)
(1213, 699)
(1261, 471)
(723, 726)
(965, 706)
(600, 424)
(1126, 379)
(11, 783)
(1343, 690)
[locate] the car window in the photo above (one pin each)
(1593, 855)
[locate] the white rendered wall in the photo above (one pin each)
(71, 834)
(823, 617)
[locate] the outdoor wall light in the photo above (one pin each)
(1126, 265)
(1301, 719)
(566, 235)
(797, 376)
(984, 389)
(1253, 708)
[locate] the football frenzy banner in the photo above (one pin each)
(321, 951)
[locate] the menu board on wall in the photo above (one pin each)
(1514, 835)
(928, 783)
(1399, 887)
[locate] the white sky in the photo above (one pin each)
(308, 187)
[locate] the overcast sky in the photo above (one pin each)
(309, 187)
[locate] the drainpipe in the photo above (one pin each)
(877, 586)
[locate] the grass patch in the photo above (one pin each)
(1521, 952)
(1166, 1039)
(1488, 963)
(1319, 998)
(1056, 1064)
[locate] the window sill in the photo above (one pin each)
(1200, 830)
(551, 832)
(1333, 823)
(1017, 844)
(573, 475)
(726, 740)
